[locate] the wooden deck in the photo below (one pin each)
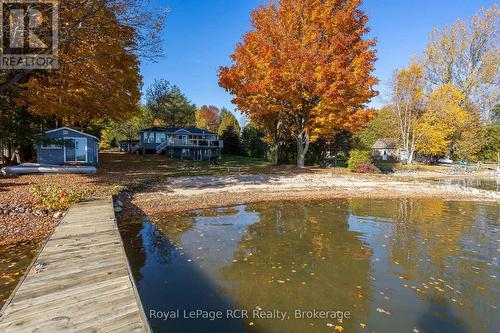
(81, 280)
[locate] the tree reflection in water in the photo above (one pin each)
(301, 256)
(398, 265)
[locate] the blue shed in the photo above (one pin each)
(67, 146)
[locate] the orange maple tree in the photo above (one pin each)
(208, 117)
(305, 66)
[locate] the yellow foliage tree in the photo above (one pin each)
(433, 138)
(447, 127)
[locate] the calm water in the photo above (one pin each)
(396, 266)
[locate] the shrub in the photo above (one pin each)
(54, 198)
(357, 157)
(366, 168)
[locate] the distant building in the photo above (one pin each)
(188, 143)
(67, 146)
(129, 146)
(386, 149)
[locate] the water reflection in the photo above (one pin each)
(400, 265)
(300, 258)
(488, 184)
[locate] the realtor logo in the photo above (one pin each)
(29, 34)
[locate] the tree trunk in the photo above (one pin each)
(302, 147)
(409, 161)
(276, 146)
(411, 149)
(302, 140)
(277, 143)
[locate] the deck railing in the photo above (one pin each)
(195, 143)
(189, 143)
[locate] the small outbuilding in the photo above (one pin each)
(67, 146)
(386, 149)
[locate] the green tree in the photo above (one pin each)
(227, 119)
(117, 131)
(18, 130)
(169, 106)
(491, 147)
(252, 141)
(232, 144)
(495, 114)
(384, 125)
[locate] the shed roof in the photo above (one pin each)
(192, 130)
(71, 129)
(386, 143)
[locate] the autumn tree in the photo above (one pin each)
(408, 106)
(208, 117)
(100, 42)
(83, 90)
(466, 55)
(305, 66)
(433, 137)
(227, 119)
(84, 24)
(447, 128)
(169, 106)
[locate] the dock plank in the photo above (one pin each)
(80, 281)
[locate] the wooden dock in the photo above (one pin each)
(80, 282)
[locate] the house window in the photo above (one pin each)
(149, 137)
(50, 145)
(161, 137)
(185, 152)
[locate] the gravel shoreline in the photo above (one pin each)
(22, 220)
(188, 193)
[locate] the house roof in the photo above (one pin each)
(192, 130)
(386, 143)
(71, 129)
